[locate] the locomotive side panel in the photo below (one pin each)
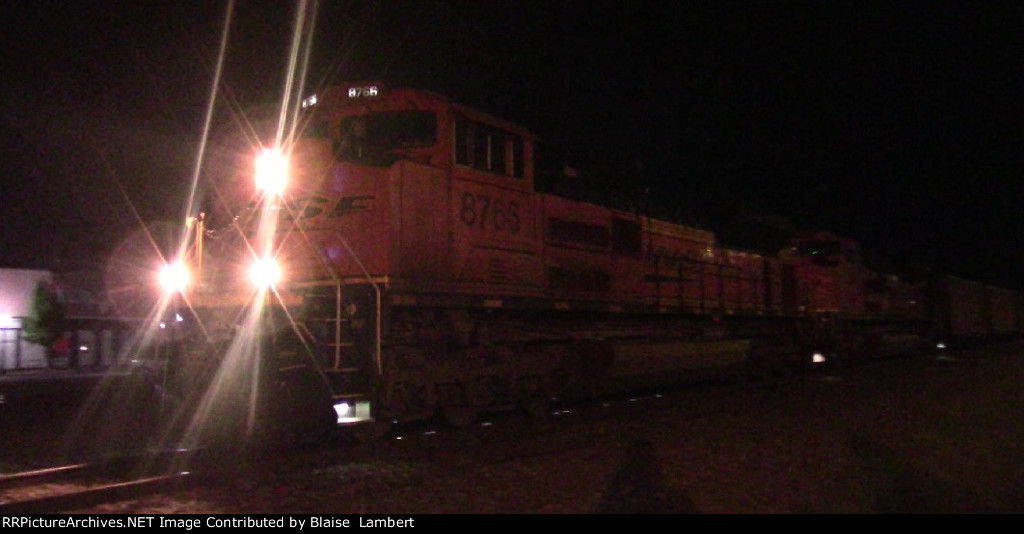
(677, 266)
(744, 282)
(493, 224)
(627, 255)
(577, 244)
(493, 236)
(343, 229)
(422, 247)
(777, 292)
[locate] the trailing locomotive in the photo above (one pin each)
(414, 258)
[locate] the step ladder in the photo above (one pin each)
(347, 374)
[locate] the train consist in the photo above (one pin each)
(413, 257)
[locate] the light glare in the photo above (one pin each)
(265, 272)
(271, 171)
(343, 410)
(174, 277)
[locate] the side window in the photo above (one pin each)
(488, 149)
(496, 141)
(463, 142)
(481, 149)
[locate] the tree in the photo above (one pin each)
(45, 323)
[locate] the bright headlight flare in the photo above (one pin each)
(271, 171)
(265, 272)
(174, 277)
(343, 410)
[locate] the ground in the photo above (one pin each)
(932, 435)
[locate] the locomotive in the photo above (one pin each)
(411, 257)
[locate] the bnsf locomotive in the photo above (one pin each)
(412, 257)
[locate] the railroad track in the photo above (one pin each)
(84, 485)
(444, 456)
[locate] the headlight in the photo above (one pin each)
(343, 410)
(271, 171)
(265, 272)
(174, 277)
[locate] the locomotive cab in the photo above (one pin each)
(830, 273)
(382, 138)
(857, 312)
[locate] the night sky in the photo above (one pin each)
(896, 123)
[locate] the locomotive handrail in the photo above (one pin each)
(377, 294)
(377, 359)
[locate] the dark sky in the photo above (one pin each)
(897, 123)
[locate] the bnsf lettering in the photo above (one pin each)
(482, 211)
(308, 208)
(305, 208)
(347, 204)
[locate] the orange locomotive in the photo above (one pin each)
(418, 259)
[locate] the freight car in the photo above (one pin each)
(413, 256)
(968, 312)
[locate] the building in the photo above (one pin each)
(16, 290)
(94, 337)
